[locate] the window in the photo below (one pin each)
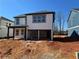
(39, 19)
(17, 32)
(26, 20)
(9, 24)
(6, 24)
(43, 18)
(22, 32)
(17, 21)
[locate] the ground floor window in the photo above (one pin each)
(43, 34)
(17, 32)
(22, 31)
(33, 34)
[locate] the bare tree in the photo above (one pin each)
(60, 22)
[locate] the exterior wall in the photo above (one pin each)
(21, 21)
(74, 19)
(3, 23)
(3, 31)
(73, 22)
(47, 25)
(31, 25)
(33, 34)
(19, 36)
(70, 31)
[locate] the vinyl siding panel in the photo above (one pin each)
(21, 21)
(72, 30)
(74, 19)
(3, 31)
(46, 25)
(73, 22)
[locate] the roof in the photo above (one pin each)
(75, 10)
(3, 18)
(35, 13)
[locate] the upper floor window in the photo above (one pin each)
(39, 19)
(6, 24)
(17, 21)
(9, 24)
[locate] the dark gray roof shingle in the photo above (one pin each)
(34, 13)
(3, 18)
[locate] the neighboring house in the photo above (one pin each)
(4, 23)
(73, 23)
(38, 25)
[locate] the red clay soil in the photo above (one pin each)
(67, 48)
(19, 49)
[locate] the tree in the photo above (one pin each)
(59, 22)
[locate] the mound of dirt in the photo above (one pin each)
(19, 49)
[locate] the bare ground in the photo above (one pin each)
(20, 49)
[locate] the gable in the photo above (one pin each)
(73, 18)
(73, 15)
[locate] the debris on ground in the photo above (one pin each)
(20, 49)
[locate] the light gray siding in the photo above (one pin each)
(3, 28)
(73, 22)
(70, 31)
(47, 25)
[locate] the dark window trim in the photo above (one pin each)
(17, 23)
(41, 20)
(17, 32)
(22, 31)
(9, 24)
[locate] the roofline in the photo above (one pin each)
(40, 13)
(76, 9)
(53, 17)
(6, 19)
(19, 16)
(71, 12)
(69, 15)
(73, 27)
(34, 14)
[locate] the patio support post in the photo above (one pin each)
(13, 33)
(8, 33)
(38, 35)
(25, 33)
(51, 35)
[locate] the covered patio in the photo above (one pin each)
(30, 34)
(14, 27)
(39, 34)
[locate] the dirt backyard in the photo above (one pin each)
(20, 49)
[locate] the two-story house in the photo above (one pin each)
(4, 23)
(38, 25)
(73, 23)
